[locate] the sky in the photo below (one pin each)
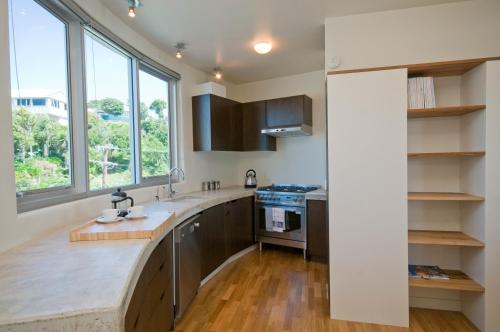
(40, 49)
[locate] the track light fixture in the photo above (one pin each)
(217, 73)
(180, 47)
(132, 5)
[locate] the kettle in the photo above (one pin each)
(251, 179)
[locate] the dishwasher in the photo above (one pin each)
(187, 264)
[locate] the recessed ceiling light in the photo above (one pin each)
(263, 47)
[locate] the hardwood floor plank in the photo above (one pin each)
(277, 290)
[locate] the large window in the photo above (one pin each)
(108, 114)
(90, 112)
(154, 108)
(38, 58)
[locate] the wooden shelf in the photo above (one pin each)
(417, 113)
(445, 154)
(444, 238)
(438, 196)
(435, 69)
(458, 281)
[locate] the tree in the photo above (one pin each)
(111, 106)
(95, 104)
(23, 127)
(158, 105)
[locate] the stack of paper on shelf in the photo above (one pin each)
(421, 92)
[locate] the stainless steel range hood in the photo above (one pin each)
(288, 131)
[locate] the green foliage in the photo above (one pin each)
(158, 105)
(41, 146)
(41, 151)
(110, 106)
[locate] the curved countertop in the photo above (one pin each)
(57, 285)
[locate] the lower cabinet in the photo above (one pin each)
(151, 307)
(213, 245)
(238, 225)
(317, 231)
(225, 230)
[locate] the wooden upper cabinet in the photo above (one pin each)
(254, 119)
(289, 111)
(217, 124)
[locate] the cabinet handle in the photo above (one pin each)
(136, 321)
(162, 296)
(162, 266)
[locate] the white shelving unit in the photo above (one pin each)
(446, 178)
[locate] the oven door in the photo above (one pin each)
(295, 220)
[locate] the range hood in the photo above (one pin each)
(288, 131)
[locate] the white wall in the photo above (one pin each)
(453, 31)
(297, 159)
(368, 214)
(198, 166)
(9, 232)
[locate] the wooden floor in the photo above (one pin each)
(276, 290)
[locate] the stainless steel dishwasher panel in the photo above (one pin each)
(187, 264)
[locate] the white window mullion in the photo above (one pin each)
(79, 114)
(136, 118)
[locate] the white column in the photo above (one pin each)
(368, 215)
(8, 221)
(492, 202)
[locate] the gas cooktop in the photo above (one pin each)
(285, 188)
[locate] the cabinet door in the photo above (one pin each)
(238, 222)
(317, 230)
(245, 223)
(289, 111)
(151, 304)
(225, 125)
(230, 228)
(212, 246)
(254, 120)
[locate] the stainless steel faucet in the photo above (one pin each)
(171, 191)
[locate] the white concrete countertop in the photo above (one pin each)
(57, 285)
(318, 195)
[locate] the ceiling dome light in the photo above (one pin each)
(263, 47)
(178, 54)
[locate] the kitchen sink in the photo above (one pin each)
(184, 198)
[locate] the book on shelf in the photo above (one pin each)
(431, 272)
(421, 92)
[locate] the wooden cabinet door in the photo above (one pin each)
(238, 223)
(151, 307)
(254, 120)
(289, 111)
(245, 223)
(212, 246)
(317, 231)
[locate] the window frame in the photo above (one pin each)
(42, 194)
(77, 22)
(172, 120)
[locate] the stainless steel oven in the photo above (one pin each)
(290, 202)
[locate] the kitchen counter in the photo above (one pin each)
(318, 195)
(57, 285)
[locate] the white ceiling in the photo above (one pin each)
(222, 32)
